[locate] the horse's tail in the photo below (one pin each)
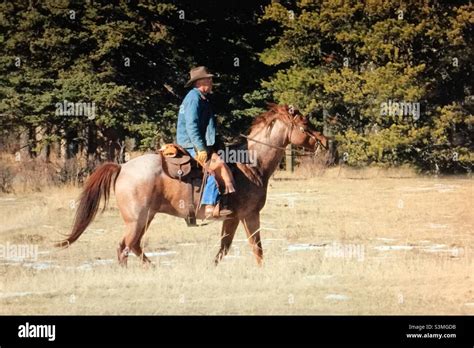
(97, 186)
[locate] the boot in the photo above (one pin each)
(223, 205)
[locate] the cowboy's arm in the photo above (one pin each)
(191, 117)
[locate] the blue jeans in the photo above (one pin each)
(211, 191)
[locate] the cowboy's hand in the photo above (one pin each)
(202, 157)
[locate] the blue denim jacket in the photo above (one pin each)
(196, 122)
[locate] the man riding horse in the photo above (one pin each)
(143, 188)
(196, 132)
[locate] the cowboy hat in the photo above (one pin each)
(197, 73)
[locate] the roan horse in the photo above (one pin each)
(142, 189)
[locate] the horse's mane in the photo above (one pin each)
(266, 118)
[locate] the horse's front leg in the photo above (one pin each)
(252, 228)
(227, 235)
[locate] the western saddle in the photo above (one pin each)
(180, 165)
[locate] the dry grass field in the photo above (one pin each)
(339, 243)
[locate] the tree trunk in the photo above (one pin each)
(42, 144)
(70, 144)
(25, 146)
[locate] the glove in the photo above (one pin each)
(202, 157)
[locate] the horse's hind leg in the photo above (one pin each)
(137, 248)
(125, 246)
(131, 241)
(227, 235)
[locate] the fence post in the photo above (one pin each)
(290, 161)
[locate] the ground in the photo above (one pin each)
(338, 243)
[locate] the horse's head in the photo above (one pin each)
(301, 131)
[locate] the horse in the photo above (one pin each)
(142, 188)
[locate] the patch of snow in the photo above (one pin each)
(301, 247)
(7, 199)
(337, 297)
(454, 251)
(393, 247)
(442, 188)
(40, 266)
(161, 253)
(437, 246)
(102, 262)
(18, 294)
(97, 230)
(437, 226)
(386, 239)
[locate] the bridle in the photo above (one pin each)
(291, 125)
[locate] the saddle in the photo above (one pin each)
(180, 165)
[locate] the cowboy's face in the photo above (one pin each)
(205, 85)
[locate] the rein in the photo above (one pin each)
(261, 142)
(291, 125)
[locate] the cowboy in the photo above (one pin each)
(196, 132)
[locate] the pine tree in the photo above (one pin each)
(360, 60)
